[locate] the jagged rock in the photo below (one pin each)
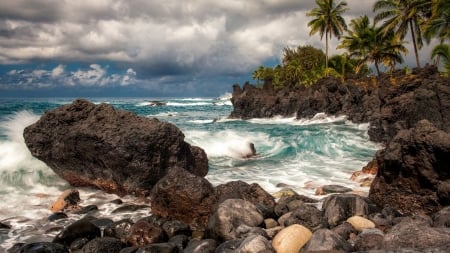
(416, 233)
(369, 239)
(104, 245)
(324, 239)
(253, 193)
(114, 150)
(344, 230)
(339, 207)
(290, 203)
(412, 168)
(442, 218)
(306, 215)
(143, 233)
(183, 196)
(119, 229)
(396, 102)
(176, 227)
(229, 215)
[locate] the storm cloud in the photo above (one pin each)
(155, 40)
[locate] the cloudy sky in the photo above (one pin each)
(146, 47)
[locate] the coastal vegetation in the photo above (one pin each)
(379, 43)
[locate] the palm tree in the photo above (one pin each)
(401, 15)
(443, 51)
(439, 23)
(327, 20)
(368, 43)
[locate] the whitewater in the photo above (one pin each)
(300, 154)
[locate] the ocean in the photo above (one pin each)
(301, 154)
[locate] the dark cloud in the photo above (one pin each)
(173, 40)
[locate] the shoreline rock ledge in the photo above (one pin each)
(114, 150)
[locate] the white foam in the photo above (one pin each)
(319, 118)
(188, 104)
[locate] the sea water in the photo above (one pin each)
(301, 154)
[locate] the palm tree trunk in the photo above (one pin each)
(414, 43)
(377, 68)
(326, 53)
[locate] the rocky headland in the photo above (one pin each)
(407, 209)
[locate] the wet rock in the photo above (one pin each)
(285, 192)
(306, 215)
(339, 207)
(442, 218)
(416, 233)
(119, 229)
(159, 248)
(255, 244)
(411, 168)
(56, 216)
(78, 244)
(369, 239)
(176, 227)
(289, 204)
(68, 200)
(183, 196)
(229, 215)
(244, 231)
(39, 247)
(79, 229)
(229, 246)
(328, 189)
(143, 233)
(114, 150)
(344, 230)
(180, 241)
(129, 208)
(201, 246)
(86, 209)
(360, 223)
(324, 239)
(291, 239)
(104, 245)
(253, 193)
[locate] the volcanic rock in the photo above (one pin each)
(114, 150)
(183, 196)
(389, 104)
(412, 168)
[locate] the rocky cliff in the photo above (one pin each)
(409, 113)
(389, 104)
(114, 150)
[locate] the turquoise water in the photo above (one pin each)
(303, 154)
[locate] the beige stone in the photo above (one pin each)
(286, 192)
(291, 239)
(360, 223)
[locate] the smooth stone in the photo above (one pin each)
(286, 192)
(339, 207)
(79, 229)
(87, 209)
(256, 244)
(360, 223)
(270, 223)
(324, 240)
(104, 245)
(201, 246)
(328, 189)
(159, 248)
(369, 239)
(129, 208)
(291, 239)
(57, 216)
(39, 247)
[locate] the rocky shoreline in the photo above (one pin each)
(407, 209)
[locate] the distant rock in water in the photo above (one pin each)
(114, 150)
(389, 104)
(157, 103)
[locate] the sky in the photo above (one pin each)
(149, 48)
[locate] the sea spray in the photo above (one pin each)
(302, 154)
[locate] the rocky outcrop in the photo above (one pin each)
(414, 171)
(114, 150)
(389, 104)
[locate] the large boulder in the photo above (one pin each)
(114, 150)
(184, 196)
(414, 171)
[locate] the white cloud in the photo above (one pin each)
(157, 38)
